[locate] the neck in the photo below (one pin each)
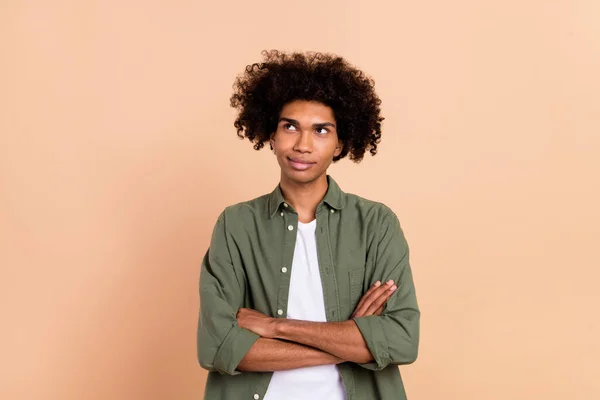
(304, 197)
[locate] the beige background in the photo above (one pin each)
(117, 152)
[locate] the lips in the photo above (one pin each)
(298, 161)
(300, 165)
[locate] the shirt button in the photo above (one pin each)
(290, 227)
(284, 270)
(279, 312)
(281, 214)
(256, 396)
(332, 210)
(285, 205)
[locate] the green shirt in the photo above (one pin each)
(249, 263)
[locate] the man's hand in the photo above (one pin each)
(373, 301)
(256, 322)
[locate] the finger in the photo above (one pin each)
(372, 311)
(368, 298)
(368, 292)
(380, 301)
(371, 297)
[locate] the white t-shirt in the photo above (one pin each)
(305, 302)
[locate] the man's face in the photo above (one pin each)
(306, 140)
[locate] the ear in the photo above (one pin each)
(339, 148)
(272, 140)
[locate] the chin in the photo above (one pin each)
(302, 176)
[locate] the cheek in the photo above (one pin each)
(331, 148)
(280, 148)
(282, 141)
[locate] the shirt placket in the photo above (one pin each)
(326, 267)
(289, 219)
(329, 280)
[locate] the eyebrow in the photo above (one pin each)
(318, 125)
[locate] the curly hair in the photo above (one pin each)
(264, 88)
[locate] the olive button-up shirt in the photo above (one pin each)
(249, 263)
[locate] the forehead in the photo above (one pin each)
(309, 111)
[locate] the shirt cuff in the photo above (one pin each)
(233, 349)
(372, 331)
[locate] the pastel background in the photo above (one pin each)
(118, 151)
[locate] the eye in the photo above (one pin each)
(325, 130)
(289, 127)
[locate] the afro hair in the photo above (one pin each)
(264, 88)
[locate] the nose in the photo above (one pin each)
(304, 144)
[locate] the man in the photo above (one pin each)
(307, 292)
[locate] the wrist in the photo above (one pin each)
(277, 327)
(339, 360)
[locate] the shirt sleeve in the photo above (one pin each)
(221, 343)
(393, 336)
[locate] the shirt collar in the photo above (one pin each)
(333, 197)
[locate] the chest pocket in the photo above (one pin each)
(356, 275)
(357, 278)
(352, 270)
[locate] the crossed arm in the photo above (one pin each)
(287, 344)
(251, 341)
